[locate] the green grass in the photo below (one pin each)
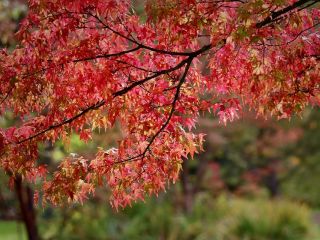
(10, 230)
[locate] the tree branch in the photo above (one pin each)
(188, 61)
(166, 123)
(118, 54)
(275, 15)
(69, 120)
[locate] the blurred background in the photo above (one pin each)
(256, 180)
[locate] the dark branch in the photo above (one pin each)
(116, 94)
(140, 45)
(166, 123)
(118, 54)
(275, 15)
(69, 120)
(188, 61)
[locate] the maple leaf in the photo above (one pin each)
(87, 64)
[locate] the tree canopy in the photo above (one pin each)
(86, 64)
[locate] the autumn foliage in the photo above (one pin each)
(87, 64)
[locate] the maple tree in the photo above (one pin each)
(86, 64)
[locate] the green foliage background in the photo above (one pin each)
(257, 180)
